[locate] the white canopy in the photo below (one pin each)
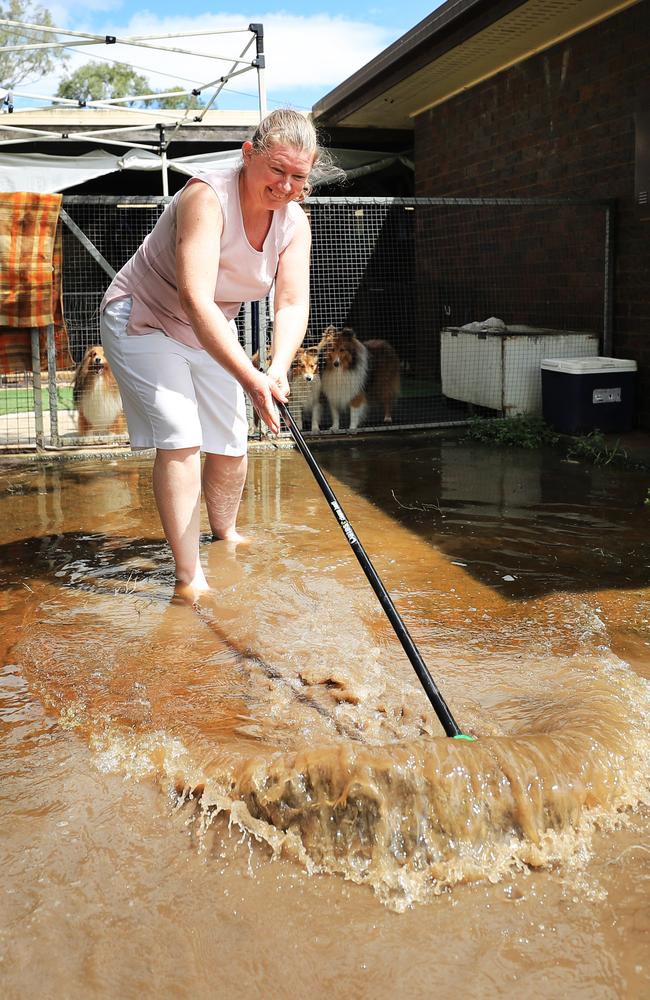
(47, 174)
(44, 173)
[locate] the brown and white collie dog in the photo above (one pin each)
(96, 396)
(356, 374)
(305, 382)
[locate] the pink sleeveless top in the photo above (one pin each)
(245, 274)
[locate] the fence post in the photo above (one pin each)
(248, 347)
(263, 334)
(256, 344)
(36, 384)
(51, 383)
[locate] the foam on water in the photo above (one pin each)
(411, 819)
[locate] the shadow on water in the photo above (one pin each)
(44, 501)
(72, 555)
(526, 523)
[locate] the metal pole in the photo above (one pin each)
(37, 385)
(260, 64)
(51, 384)
(88, 244)
(431, 690)
(610, 271)
(255, 327)
(256, 346)
(263, 332)
(248, 347)
(163, 160)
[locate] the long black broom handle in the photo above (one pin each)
(426, 680)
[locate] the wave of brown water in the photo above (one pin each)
(109, 891)
(413, 818)
(292, 671)
(283, 702)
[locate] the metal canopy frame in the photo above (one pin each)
(161, 119)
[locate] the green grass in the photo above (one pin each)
(532, 432)
(517, 432)
(593, 447)
(21, 400)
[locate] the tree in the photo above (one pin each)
(15, 67)
(181, 102)
(101, 82)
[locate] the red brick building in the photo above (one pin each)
(528, 99)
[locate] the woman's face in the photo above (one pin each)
(276, 177)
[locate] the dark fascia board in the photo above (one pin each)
(356, 137)
(444, 29)
(187, 141)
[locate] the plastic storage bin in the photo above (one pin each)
(501, 370)
(588, 394)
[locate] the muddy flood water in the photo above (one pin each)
(253, 798)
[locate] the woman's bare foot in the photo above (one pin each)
(233, 537)
(191, 591)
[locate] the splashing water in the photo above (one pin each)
(283, 700)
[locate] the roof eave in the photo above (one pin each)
(442, 30)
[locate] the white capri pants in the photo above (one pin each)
(174, 396)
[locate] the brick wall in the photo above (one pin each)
(560, 125)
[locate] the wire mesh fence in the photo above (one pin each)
(472, 294)
(423, 311)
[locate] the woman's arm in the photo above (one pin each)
(291, 305)
(199, 226)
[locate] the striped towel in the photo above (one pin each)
(31, 257)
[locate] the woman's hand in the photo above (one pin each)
(277, 377)
(262, 392)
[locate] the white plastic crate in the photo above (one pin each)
(501, 370)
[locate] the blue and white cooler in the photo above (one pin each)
(587, 394)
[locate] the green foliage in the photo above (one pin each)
(594, 448)
(16, 67)
(181, 102)
(532, 432)
(100, 82)
(516, 432)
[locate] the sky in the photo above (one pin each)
(310, 46)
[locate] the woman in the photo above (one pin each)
(167, 328)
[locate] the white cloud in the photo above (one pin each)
(319, 50)
(309, 54)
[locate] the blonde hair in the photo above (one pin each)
(291, 128)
